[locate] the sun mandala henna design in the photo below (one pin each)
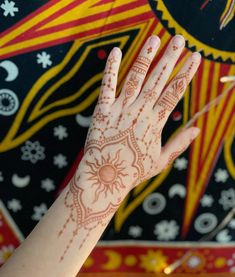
(106, 174)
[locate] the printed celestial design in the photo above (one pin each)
(52, 58)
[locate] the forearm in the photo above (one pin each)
(63, 239)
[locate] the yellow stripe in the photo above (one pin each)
(80, 12)
(32, 22)
(63, 34)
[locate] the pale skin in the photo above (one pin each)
(123, 148)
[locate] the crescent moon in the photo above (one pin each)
(177, 189)
(114, 260)
(20, 182)
(83, 121)
(12, 70)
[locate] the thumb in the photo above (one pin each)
(176, 146)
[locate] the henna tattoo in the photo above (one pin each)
(141, 65)
(99, 116)
(107, 174)
(81, 216)
(104, 100)
(108, 73)
(175, 154)
(131, 87)
(172, 95)
(149, 50)
(150, 94)
(161, 114)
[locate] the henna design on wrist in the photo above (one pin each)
(81, 216)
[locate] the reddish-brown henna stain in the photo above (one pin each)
(161, 115)
(106, 175)
(104, 160)
(150, 94)
(81, 216)
(99, 116)
(131, 86)
(141, 65)
(109, 74)
(149, 50)
(172, 95)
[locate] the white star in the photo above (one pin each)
(47, 184)
(1, 177)
(44, 59)
(207, 200)
(221, 175)
(14, 205)
(180, 163)
(60, 160)
(9, 8)
(39, 211)
(135, 231)
(60, 132)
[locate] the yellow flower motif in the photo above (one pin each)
(5, 253)
(153, 261)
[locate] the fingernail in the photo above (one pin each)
(196, 56)
(116, 51)
(178, 41)
(195, 132)
(154, 41)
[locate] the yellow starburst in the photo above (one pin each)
(153, 261)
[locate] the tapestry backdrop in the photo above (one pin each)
(52, 57)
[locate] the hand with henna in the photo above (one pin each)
(123, 148)
(123, 145)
